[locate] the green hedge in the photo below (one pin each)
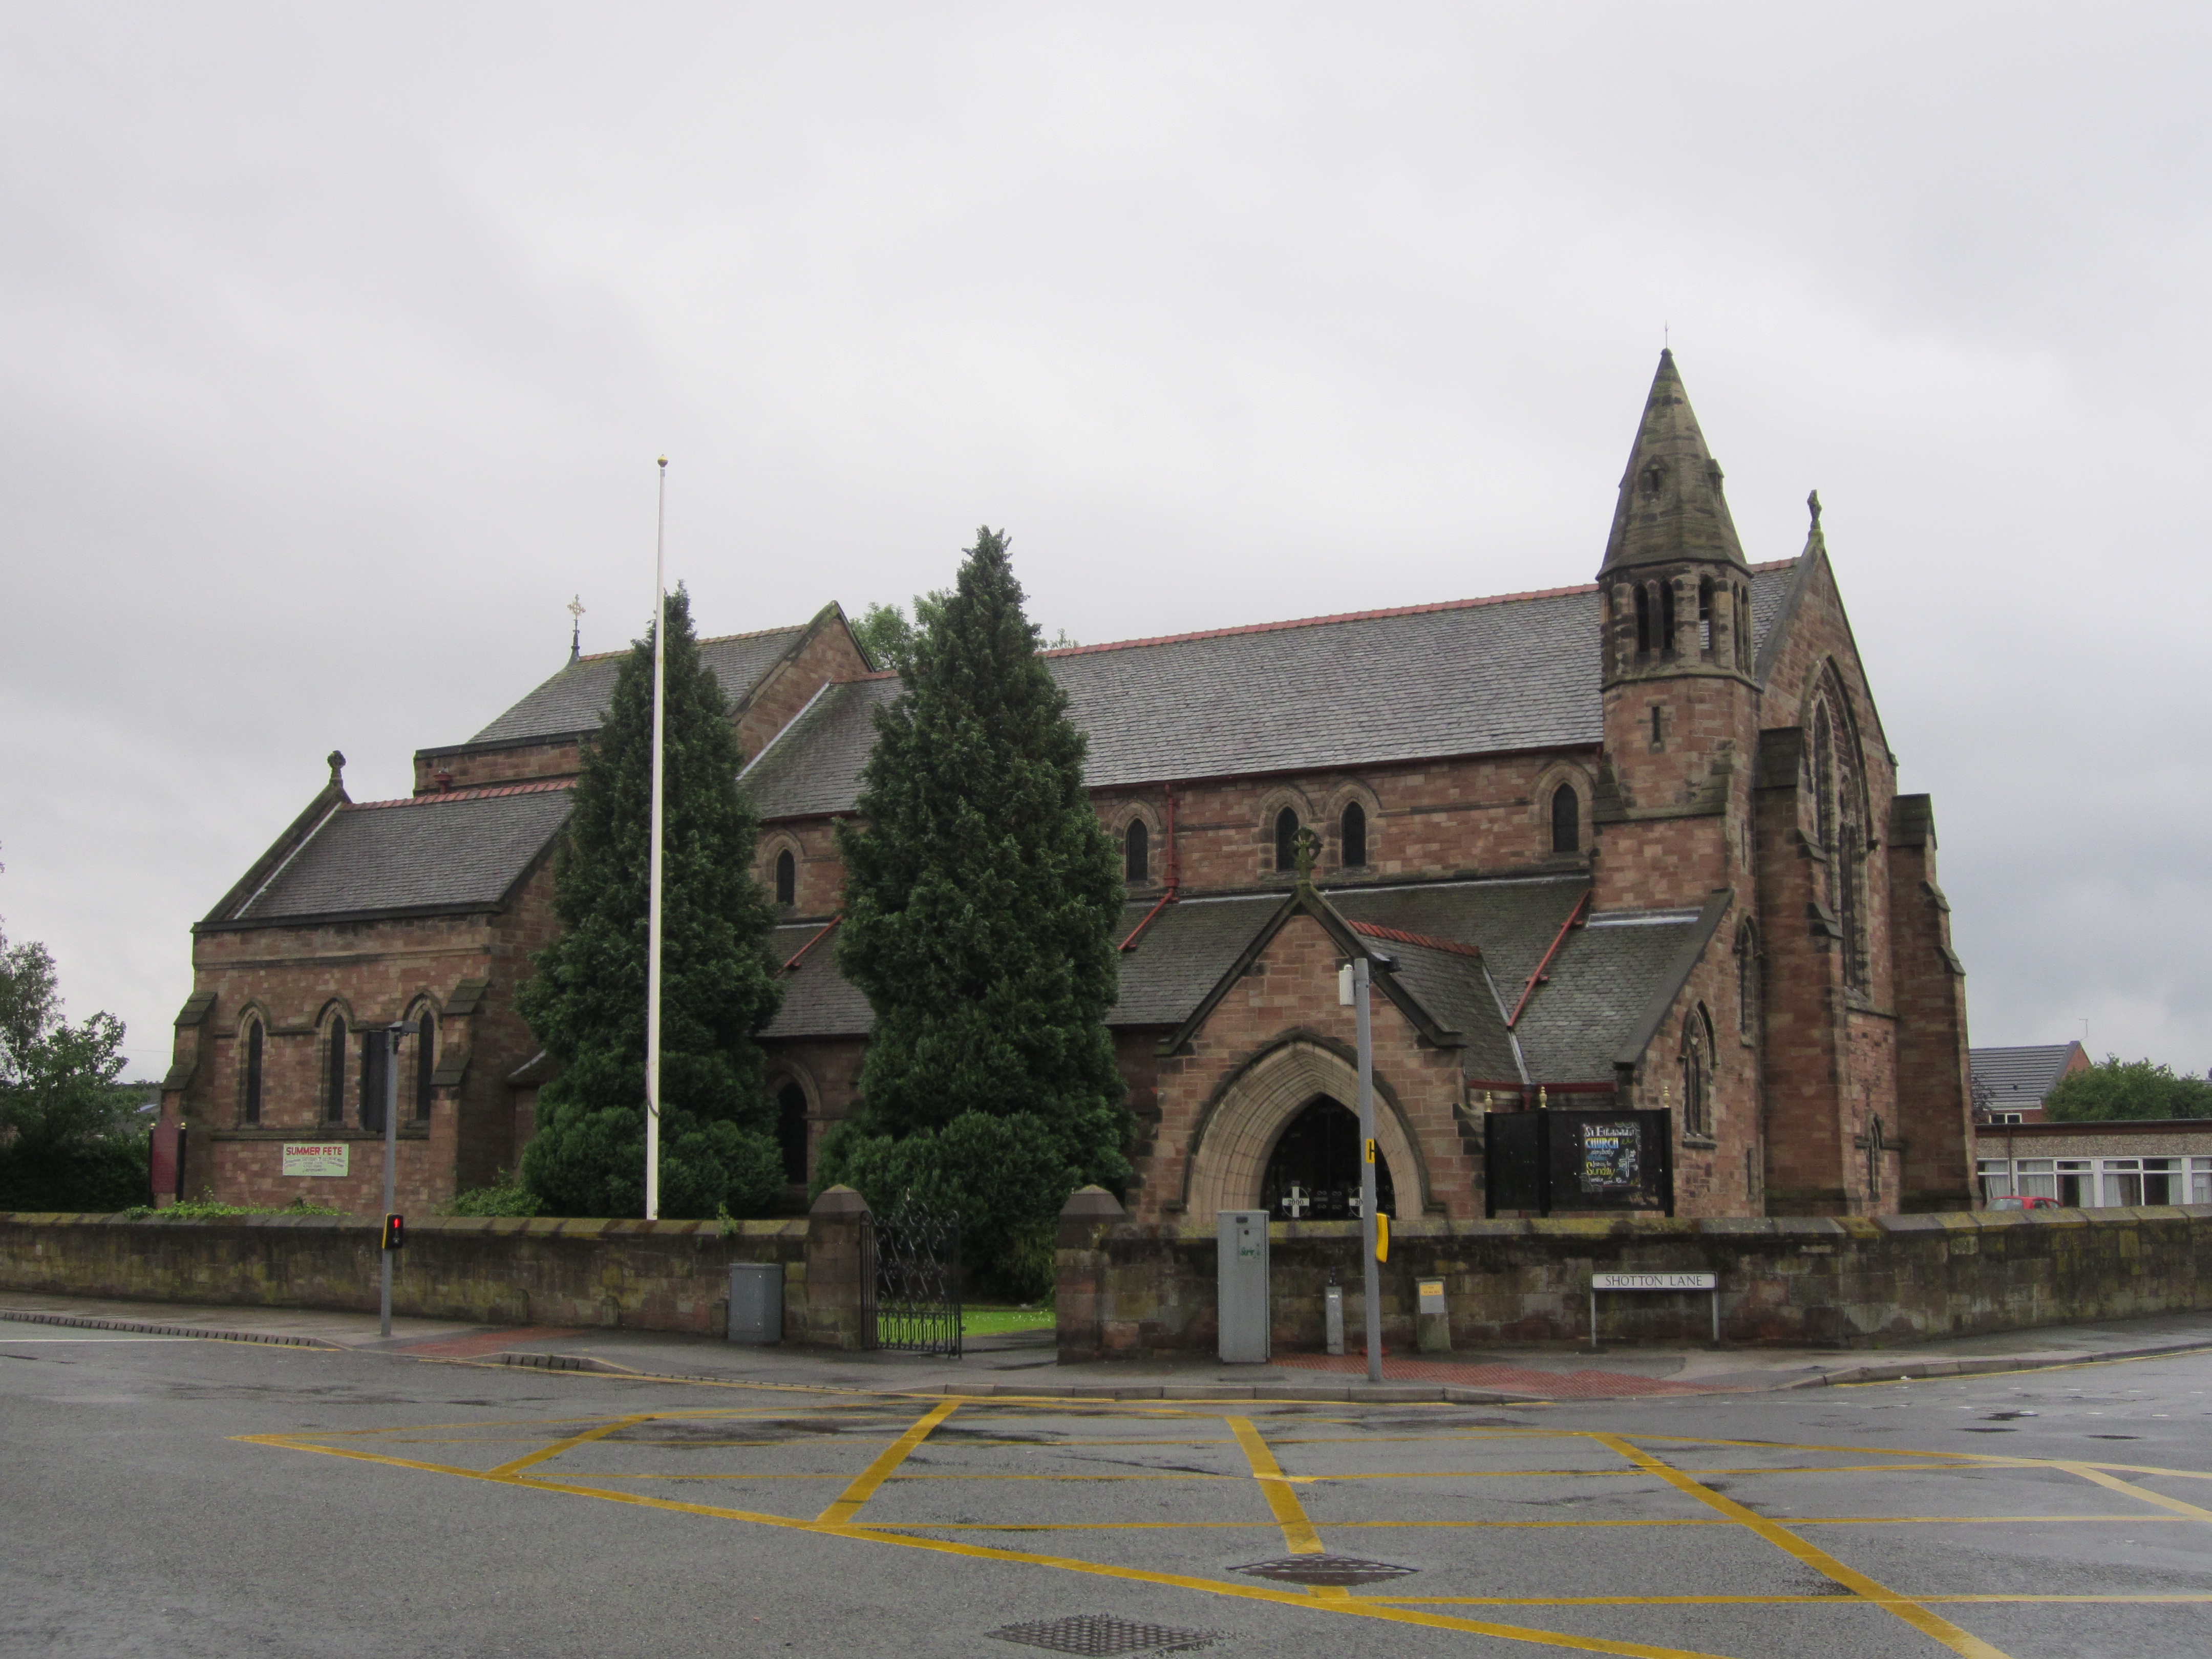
(100, 1180)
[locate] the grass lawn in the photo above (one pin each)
(995, 1321)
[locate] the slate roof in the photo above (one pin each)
(1599, 986)
(465, 850)
(2015, 1078)
(1596, 992)
(818, 1000)
(576, 699)
(1470, 677)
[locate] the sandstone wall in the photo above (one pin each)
(1134, 1289)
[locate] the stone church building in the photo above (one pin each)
(1634, 843)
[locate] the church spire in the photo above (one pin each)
(1671, 507)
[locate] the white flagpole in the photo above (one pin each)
(653, 911)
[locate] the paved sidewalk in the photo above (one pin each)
(1023, 1364)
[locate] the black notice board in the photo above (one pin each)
(1579, 1158)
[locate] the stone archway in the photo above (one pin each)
(1229, 1152)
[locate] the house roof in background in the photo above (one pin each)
(462, 850)
(1469, 677)
(2013, 1078)
(576, 699)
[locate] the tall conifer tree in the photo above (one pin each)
(587, 1004)
(981, 893)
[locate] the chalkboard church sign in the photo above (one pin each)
(1578, 1157)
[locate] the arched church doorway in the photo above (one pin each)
(1313, 1174)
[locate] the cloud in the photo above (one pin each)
(340, 346)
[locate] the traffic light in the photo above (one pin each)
(395, 1232)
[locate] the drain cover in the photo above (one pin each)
(1326, 1570)
(1094, 1633)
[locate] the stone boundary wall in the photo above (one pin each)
(642, 1275)
(1138, 1290)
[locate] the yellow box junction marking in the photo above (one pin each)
(1298, 1534)
(2089, 1472)
(543, 1453)
(864, 1486)
(1299, 1531)
(1933, 1625)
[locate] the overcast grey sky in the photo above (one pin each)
(339, 342)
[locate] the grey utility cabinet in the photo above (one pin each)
(757, 1302)
(1243, 1297)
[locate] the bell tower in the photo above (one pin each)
(1680, 700)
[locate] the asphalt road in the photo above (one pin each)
(183, 1497)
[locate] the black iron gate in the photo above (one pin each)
(910, 1280)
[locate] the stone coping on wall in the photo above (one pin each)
(534, 1226)
(1427, 1229)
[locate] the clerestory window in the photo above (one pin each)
(1354, 826)
(1566, 820)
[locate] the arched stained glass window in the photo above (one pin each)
(426, 1062)
(1824, 778)
(334, 1072)
(786, 877)
(1286, 840)
(1746, 981)
(375, 1057)
(790, 1131)
(249, 1104)
(1355, 835)
(1137, 854)
(1697, 1075)
(1566, 820)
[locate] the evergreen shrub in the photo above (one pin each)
(586, 1001)
(1005, 1179)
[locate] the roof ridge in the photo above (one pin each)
(1400, 935)
(1431, 608)
(710, 639)
(446, 797)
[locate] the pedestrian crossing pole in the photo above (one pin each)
(390, 1037)
(1368, 1218)
(652, 903)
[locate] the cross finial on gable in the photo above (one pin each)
(1305, 848)
(1812, 505)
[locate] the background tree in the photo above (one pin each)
(980, 902)
(2116, 1088)
(888, 637)
(587, 1002)
(70, 1133)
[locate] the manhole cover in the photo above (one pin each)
(1094, 1633)
(1326, 1570)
